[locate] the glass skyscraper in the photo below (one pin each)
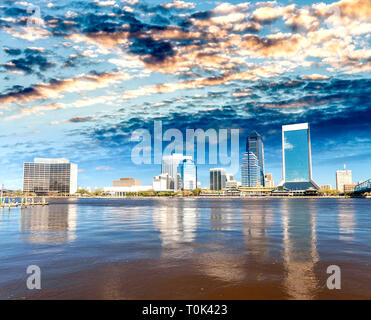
(188, 174)
(50, 175)
(170, 164)
(296, 154)
(254, 145)
(218, 179)
(250, 170)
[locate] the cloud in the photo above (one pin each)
(28, 33)
(179, 5)
(32, 62)
(316, 76)
(103, 168)
(56, 87)
(81, 119)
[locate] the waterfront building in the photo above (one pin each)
(231, 184)
(250, 170)
(254, 144)
(296, 157)
(256, 191)
(122, 191)
(218, 179)
(187, 171)
(45, 176)
(349, 187)
(169, 165)
(343, 177)
(268, 180)
(126, 182)
(163, 182)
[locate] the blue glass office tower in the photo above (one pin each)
(188, 174)
(250, 170)
(255, 145)
(296, 156)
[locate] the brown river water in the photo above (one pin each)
(187, 249)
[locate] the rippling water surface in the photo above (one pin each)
(187, 248)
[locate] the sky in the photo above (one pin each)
(79, 77)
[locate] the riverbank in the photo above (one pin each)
(210, 197)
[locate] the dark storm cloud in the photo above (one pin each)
(13, 52)
(81, 119)
(32, 62)
(157, 51)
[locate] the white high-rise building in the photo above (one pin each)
(343, 177)
(188, 175)
(163, 182)
(170, 164)
(50, 175)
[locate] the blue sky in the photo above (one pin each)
(81, 76)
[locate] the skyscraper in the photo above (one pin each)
(268, 177)
(218, 179)
(250, 170)
(343, 177)
(254, 144)
(296, 157)
(50, 175)
(188, 174)
(170, 164)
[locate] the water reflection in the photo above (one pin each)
(346, 221)
(43, 225)
(177, 225)
(300, 248)
(256, 221)
(229, 247)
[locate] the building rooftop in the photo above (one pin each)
(300, 186)
(51, 160)
(254, 134)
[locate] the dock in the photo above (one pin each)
(8, 202)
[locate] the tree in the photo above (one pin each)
(82, 191)
(197, 191)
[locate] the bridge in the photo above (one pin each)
(363, 187)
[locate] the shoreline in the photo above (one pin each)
(207, 197)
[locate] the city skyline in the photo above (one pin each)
(170, 163)
(77, 82)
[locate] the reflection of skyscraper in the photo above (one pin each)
(177, 224)
(55, 224)
(170, 164)
(300, 249)
(188, 174)
(255, 145)
(250, 170)
(296, 157)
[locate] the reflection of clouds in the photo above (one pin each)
(288, 145)
(300, 248)
(49, 224)
(346, 221)
(177, 225)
